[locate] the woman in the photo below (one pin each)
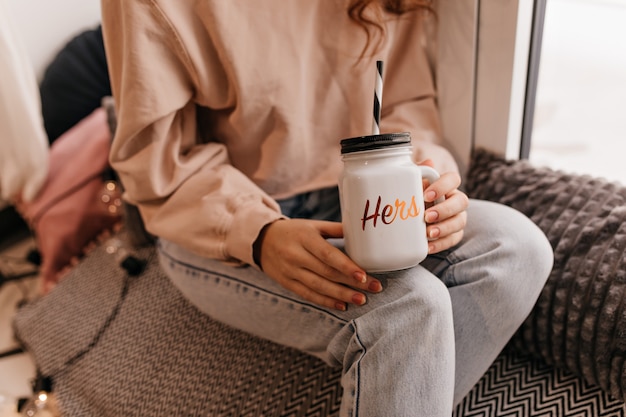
(230, 117)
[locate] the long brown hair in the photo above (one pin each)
(357, 8)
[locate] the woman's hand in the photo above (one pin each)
(446, 220)
(296, 254)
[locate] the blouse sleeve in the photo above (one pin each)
(187, 191)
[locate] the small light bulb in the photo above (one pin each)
(43, 404)
(111, 185)
(111, 198)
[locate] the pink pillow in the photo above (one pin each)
(79, 200)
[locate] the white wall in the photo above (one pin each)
(46, 25)
(482, 72)
(504, 34)
(456, 75)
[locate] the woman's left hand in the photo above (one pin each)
(445, 220)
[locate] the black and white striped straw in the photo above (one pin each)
(378, 96)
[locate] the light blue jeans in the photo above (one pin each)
(416, 348)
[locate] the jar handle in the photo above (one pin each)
(431, 175)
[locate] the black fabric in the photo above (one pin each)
(74, 83)
(12, 227)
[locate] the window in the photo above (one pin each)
(579, 120)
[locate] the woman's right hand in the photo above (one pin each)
(296, 254)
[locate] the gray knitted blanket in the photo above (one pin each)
(579, 321)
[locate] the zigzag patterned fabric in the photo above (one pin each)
(518, 385)
(158, 355)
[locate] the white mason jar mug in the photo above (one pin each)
(382, 202)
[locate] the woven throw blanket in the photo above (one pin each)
(579, 321)
(117, 345)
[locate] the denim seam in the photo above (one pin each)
(452, 259)
(281, 296)
(358, 369)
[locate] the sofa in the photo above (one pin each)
(125, 342)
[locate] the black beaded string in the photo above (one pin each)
(133, 267)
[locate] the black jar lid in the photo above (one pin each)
(371, 142)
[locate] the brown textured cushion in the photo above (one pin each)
(579, 321)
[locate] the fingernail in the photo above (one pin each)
(430, 195)
(359, 299)
(431, 216)
(375, 286)
(360, 276)
(434, 233)
(340, 306)
(431, 248)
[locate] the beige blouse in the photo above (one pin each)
(225, 106)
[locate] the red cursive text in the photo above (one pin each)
(389, 213)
